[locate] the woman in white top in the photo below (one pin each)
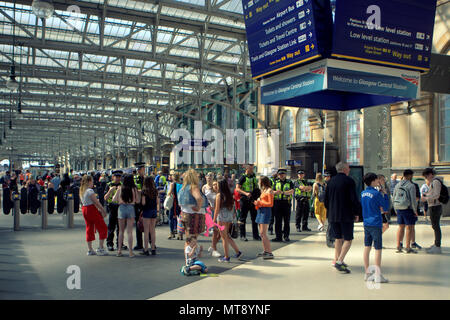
(93, 213)
(210, 190)
(127, 196)
(224, 215)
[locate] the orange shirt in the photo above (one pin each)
(266, 201)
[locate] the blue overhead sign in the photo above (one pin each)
(282, 34)
(396, 33)
(340, 85)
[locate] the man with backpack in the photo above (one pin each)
(437, 196)
(405, 206)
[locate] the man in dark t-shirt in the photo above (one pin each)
(343, 208)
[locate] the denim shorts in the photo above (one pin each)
(199, 263)
(264, 215)
(150, 214)
(373, 235)
(406, 217)
(126, 211)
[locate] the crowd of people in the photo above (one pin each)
(220, 204)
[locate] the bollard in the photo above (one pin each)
(68, 210)
(16, 210)
(43, 210)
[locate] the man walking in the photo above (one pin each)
(343, 209)
(434, 198)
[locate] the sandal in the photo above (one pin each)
(119, 254)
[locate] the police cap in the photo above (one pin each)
(300, 172)
(282, 171)
(139, 165)
(117, 173)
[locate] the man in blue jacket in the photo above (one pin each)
(373, 203)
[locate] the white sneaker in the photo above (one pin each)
(91, 253)
(102, 252)
(210, 250)
(319, 227)
(434, 250)
(216, 254)
(380, 279)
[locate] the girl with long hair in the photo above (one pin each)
(223, 214)
(210, 190)
(150, 204)
(264, 206)
(127, 196)
(93, 214)
(175, 211)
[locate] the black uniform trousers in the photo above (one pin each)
(247, 206)
(113, 224)
(282, 213)
(302, 213)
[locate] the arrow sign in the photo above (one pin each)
(313, 46)
(310, 34)
(308, 11)
(309, 22)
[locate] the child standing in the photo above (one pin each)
(192, 251)
(373, 203)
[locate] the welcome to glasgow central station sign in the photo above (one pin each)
(340, 55)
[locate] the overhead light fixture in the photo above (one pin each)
(43, 8)
(12, 83)
(252, 108)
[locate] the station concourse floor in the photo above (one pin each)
(33, 265)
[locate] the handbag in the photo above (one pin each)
(234, 229)
(168, 202)
(140, 223)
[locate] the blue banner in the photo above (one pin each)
(372, 83)
(396, 33)
(282, 34)
(294, 86)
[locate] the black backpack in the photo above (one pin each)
(443, 197)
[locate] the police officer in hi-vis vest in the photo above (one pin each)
(247, 184)
(273, 179)
(283, 191)
(303, 191)
(113, 209)
(139, 182)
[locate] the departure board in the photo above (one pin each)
(285, 33)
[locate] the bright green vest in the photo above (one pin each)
(250, 184)
(286, 187)
(138, 181)
(301, 193)
(110, 185)
(272, 182)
